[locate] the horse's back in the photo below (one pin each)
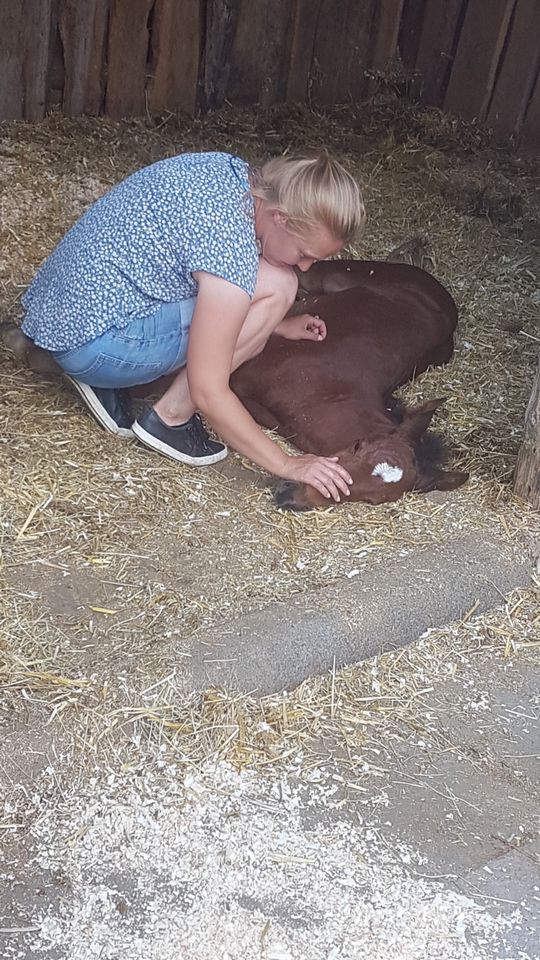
(398, 280)
(377, 332)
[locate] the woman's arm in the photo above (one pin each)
(218, 318)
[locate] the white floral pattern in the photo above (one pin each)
(137, 247)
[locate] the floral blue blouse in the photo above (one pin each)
(139, 245)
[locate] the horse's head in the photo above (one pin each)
(382, 469)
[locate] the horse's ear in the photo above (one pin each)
(416, 421)
(440, 480)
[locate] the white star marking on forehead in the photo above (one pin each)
(387, 473)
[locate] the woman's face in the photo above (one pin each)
(282, 248)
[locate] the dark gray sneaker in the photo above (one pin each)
(189, 443)
(110, 407)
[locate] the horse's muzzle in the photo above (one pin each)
(290, 495)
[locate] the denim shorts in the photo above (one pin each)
(147, 348)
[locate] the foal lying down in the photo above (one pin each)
(386, 322)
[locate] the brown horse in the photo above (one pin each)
(387, 322)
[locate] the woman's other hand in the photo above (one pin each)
(303, 327)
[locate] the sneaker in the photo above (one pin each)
(110, 407)
(189, 443)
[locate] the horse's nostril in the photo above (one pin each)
(285, 496)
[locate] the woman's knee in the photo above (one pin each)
(280, 283)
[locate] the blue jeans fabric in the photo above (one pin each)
(147, 348)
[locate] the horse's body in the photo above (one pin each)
(386, 323)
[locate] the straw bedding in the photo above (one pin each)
(110, 554)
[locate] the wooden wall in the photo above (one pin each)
(475, 58)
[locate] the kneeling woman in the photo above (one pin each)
(187, 265)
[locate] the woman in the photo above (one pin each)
(187, 265)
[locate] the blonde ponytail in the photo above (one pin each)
(312, 192)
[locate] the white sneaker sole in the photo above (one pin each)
(150, 441)
(98, 410)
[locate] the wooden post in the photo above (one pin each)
(527, 475)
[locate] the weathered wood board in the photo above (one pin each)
(477, 56)
(127, 58)
(83, 29)
(176, 52)
(517, 72)
(38, 20)
(304, 28)
(221, 23)
(410, 30)
(260, 52)
(530, 132)
(439, 32)
(12, 52)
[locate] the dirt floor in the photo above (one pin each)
(139, 821)
(389, 811)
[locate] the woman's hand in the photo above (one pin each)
(303, 327)
(323, 473)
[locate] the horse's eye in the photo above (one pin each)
(356, 447)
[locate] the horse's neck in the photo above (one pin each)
(336, 426)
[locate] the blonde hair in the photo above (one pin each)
(310, 193)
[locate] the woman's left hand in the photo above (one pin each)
(303, 327)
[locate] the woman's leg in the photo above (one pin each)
(139, 352)
(274, 295)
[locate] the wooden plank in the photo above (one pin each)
(176, 53)
(56, 71)
(357, 50)
(436, 48)
(83, 31)
(341, 50)
(95, 83)
(128, 50)
(279, 22)
(385, 32)
(37, 14)
(384, 37)
(527, 473)
(304, 28)
(260, 52)
(12, 53)
(410, 29)
(518, 71)
(329, 70)
(221, 23)
(477, 56)
(530, 131)
(246, 68)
